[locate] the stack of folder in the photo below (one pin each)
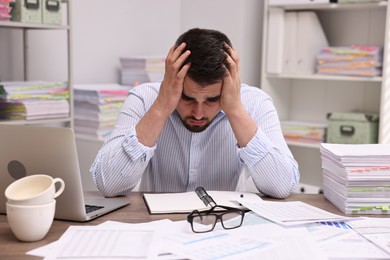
(5, 10)
(357, 177)
(31, 100)
(294, 39)
(96, 108)
(305, 132)
(138, 70)
(364, 61)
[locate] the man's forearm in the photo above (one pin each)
(150, 126)
(244, 127)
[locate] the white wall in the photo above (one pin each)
(128, 27)
(241, 21)
(150, 27)
(103, 31)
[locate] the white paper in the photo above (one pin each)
(376, 230)
(341, 242)
(290, 212)
(80, 242)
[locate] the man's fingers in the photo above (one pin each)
(183, 72)
(175, 53)
(232, 57)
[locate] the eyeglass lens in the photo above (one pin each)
(204, 223)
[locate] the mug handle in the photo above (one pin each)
(62, 186)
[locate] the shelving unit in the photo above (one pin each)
(28, 27)
(309, 97)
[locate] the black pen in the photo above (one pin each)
(206, 198)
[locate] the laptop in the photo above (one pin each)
(28, 150)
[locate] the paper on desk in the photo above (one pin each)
(162, 225)
(289, 213)
(264, 241)
(342, 243)
(106, 243)
(376, 230)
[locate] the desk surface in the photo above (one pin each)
(136, 212)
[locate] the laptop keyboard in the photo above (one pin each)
(90, 208)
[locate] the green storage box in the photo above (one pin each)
(26, 11)
(352, 128)
(51, 12)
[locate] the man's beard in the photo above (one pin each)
(195, 128)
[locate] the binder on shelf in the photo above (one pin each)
(275, 41)
(310, 40)
(290, 42)
(297, 2)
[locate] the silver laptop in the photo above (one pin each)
(27, 150)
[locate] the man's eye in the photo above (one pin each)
(213, 99)
(186, 98)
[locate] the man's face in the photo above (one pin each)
(199, 104)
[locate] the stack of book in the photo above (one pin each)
(365, 61)
(5, 10)
(96, 108)
(305, 132)
(138, 70)
(32, 100)
(357, 177)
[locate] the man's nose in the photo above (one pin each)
(198, 111)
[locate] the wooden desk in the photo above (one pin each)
(11, 248)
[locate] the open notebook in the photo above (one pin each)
(185, 202)
(27, 150)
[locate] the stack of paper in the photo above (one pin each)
(303, 131)
(357, 177)
(365, 61)
(34, 100)
(137, 70)
(5, 10)
(96, 108)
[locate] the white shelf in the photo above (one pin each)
(26, 27)
(309, 97)
(19, 25)
(324, 77)
(37, 122)
(332, 6)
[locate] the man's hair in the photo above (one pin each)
(208, 57)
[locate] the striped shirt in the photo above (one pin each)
(182, 160)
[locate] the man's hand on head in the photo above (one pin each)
(230, 97)
(172, 85)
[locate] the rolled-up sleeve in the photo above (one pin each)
(120, 163)
(269, 160)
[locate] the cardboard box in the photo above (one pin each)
(27, 11)
(51, 12)
(352, 128)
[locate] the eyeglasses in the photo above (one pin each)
(205, 221)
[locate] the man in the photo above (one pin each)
(199, 127)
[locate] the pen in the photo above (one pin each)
(207, 200)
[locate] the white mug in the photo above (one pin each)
(34, 190)
(30, 222)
